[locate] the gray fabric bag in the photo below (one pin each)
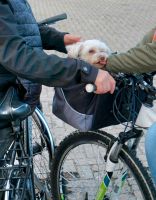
(82, 110)
(63, 110)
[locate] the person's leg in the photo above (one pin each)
(150, 149)
(32, 96)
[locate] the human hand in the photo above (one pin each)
(104, 82)
(71, 39)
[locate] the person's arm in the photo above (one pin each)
(55, 40)
(52, 39)
(34, 64)
(140, 59)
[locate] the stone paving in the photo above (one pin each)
(121, 24)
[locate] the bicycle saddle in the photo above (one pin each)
(11, 108)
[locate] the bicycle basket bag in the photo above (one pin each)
(88, 111)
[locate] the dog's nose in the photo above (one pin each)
(102, 58)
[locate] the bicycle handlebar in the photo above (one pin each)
(142, 82)
(127, 80)
(52, 20)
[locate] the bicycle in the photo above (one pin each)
(25, 173)
(96, 165)
(20, 174)
(22, 179)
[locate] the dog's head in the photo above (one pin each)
(93, 51)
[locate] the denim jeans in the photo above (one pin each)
(32, 96)
(150, 149)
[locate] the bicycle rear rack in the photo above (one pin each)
(15, 172)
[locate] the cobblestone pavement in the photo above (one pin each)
(121, 24)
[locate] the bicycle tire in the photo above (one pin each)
(62, 174)
(41, 161)
(27, 144)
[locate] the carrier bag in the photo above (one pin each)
(90, 111)
(146, 116)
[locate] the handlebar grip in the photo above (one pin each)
(52, 20)
(90, 88)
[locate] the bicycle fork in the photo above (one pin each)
(112, 160)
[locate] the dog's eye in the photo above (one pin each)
(91, 51)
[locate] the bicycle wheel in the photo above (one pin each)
(79, 167)
(41, 160)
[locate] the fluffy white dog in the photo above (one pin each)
(93, 51)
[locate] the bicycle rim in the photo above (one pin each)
(79, 168)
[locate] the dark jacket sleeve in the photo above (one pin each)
(52, 39)
(34, 64)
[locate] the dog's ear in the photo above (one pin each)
(74, 49)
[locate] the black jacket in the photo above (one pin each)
(19, 59)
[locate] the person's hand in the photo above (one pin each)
(71, 39)
(104, 82)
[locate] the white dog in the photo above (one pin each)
(93, 51)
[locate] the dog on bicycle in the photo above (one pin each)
(93, 51)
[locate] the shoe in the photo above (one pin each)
(37, 149)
